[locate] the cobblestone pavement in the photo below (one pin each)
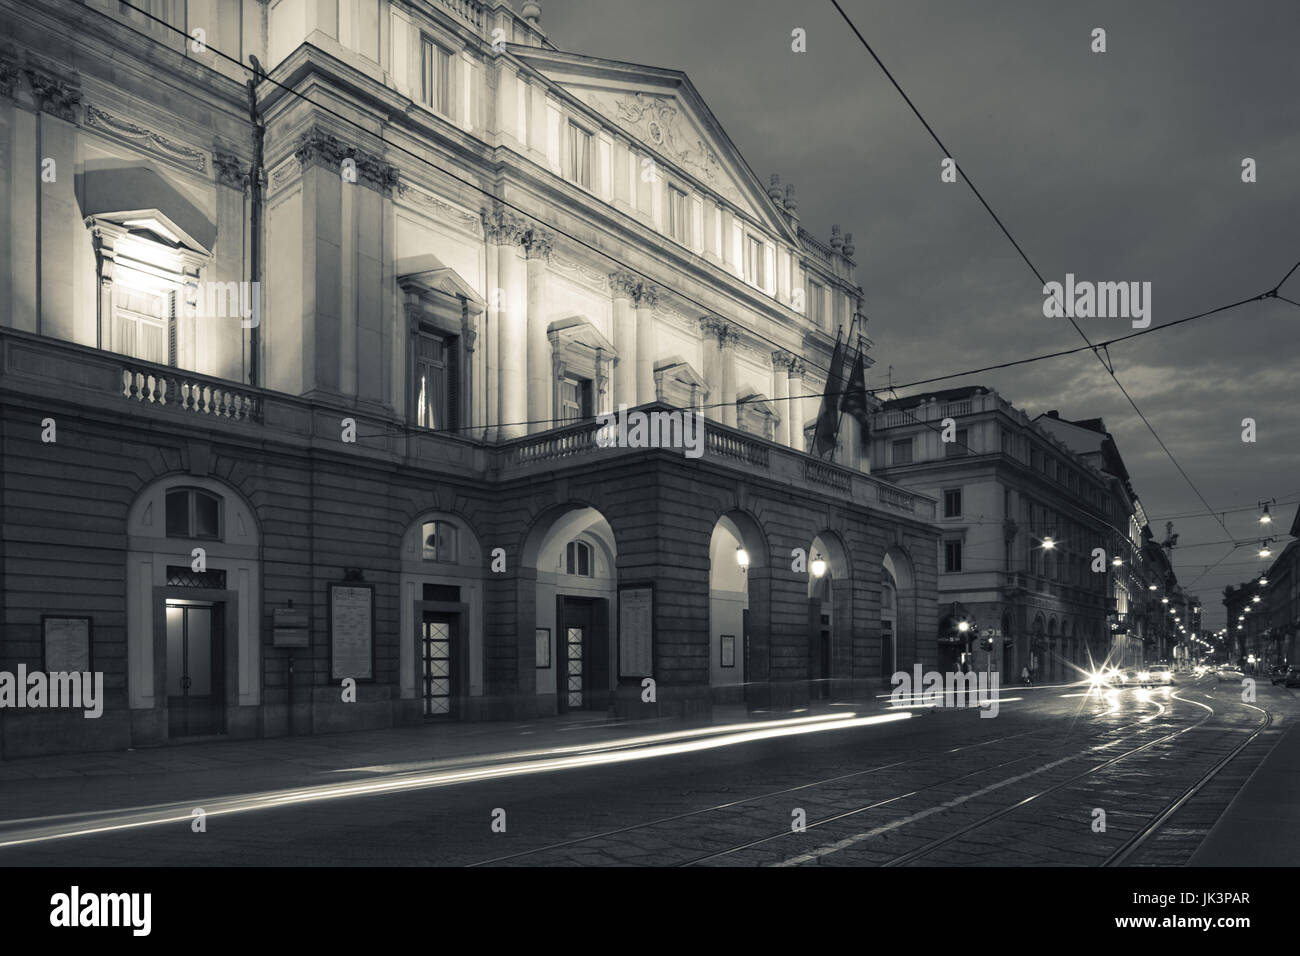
(1031, 787)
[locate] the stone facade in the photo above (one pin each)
(394, 409)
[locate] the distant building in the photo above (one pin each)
(1020, 514)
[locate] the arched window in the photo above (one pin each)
(577, 559)
(193, 513)
(439, 541)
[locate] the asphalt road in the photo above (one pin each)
(1059, 777)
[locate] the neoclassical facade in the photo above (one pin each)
(300, 383)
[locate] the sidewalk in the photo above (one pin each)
(1262, 824)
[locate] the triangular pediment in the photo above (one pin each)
(664, 113)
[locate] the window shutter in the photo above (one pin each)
(453, 383)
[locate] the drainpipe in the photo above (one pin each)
(255, 222)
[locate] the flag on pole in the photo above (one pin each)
(854, 400)
(824, 438)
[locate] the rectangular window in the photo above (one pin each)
(679, 222)
(957, 447)
(900, 452)
(952, 556)
(435, 75)
(436, 381)
(754, 261)
(817, 304)
(575, 399)
(144, 319)
(952, 503)
(580, 156)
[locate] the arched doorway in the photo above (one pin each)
(830, 616)
(441, 647)
(574, 598)
(737, 660)
(194, 654)
(1053, 651)
(1038, 649)
(898, 650)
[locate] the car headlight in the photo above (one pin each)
(1144, 675)
(1166, 676)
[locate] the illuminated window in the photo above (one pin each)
(436, 381)
(439, 541)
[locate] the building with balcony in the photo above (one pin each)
(1264, 613)
(301, 384)
(1021, 513)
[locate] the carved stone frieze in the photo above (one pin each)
(146, 139)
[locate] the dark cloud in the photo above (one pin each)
(1115, 166)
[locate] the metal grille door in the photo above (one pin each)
(574, 670)
(437, 673)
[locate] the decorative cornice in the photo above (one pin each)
(9, 72)
(146, 139)
(229, 169)
(56, 96)
(319, 148)
(624, 284)
(646, 296)
(445, 211)
(538, 243)
(501, 227)
(728, 334)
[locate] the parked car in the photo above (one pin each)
(1287, 676)
(1228, 672)
(1278, 674)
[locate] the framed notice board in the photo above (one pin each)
(636, 604)
(352, 630)
(65, 644)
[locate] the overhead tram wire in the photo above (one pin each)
(263, 75)
(1096, 349)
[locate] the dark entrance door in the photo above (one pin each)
(820, 648)
(195, 669)
(583, 649)
(439, 633)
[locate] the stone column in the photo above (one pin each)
(724, 368)
(646, 297)
(541, 411)
(781, 360)
(504, 230)
(556, 350)
(799, 406)
(623, 286)
(492, 347)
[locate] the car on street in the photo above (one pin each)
(1228, 672)
(1287, 676)
(1150, 675)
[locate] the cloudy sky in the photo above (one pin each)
(1115, 166)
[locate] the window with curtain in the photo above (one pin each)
(575, 399)
(753, 261)
(580, 155)
(577, 559)
(436, 381)
(435, 76)
(144, 317)
(678, 215)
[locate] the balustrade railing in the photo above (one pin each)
(184, 391)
